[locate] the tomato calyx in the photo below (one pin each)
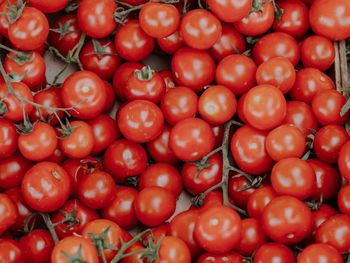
(70, 218)
(132, 181)
(66, 129)
(100, 50)
(144, 74)
(22, 58)
(64, 29)
(76, 258)
(26, 127)
(15, 11)
(257, 6)
(48, 223)
(72, 6)
(315, 205)
(100, 242)
(3, 109)
(277, 10)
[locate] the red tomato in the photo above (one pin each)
(173, 250)
(8, 139)
(9, 213)
(10, 251)
(344, 161)
(269, 252)
(49, 6)
(258, 200)
(4, 21)
(319, 253)
(230, 11)
(168, 78)
(191, 139)
(240, 112)
(344, 200)
(110, 97)
(231, 257)
(320, 216)
(172, 43)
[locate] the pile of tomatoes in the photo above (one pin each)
(242, 118)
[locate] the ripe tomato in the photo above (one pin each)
(318, 253)
(8, 139)
(30, 31)
(320, 216)
(123, 159)
(39, 143)
(4, 21)
(173, 250)
(236, 72)
(317, 52)
(193, 68)
(231, 257)
(330, 19)
(274, 251)
(49, 6)
(10, 251)
(95, 18)
(154, 205)
(218, 229)
(248, 150)
(278, 72)
(343, 200)
(285, 141)
(258, 200)
(137, 257)
(287, 220)
(277, 44)
(9, 213)
(140, 121)
(230, 11)
(84, 91)
(171, 43)
(74, 246)
(344, 161)
(191, 139)
(264, 107)
(110, 97)
(80, 142)
(37, 246)
(132, 43)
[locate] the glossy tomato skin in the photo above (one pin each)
(49, 7)
(344, 161)
(258, 200)
(10, 251)
(321, 215)
(274, 251)
(287, 220)
(320, 252)
(343, 200)
(110, 97)
(96, 18)
(4, 21)
(46, 187)
(230, 11)
(223, 258)
(173, 250)
(191, 139)
(9, 212)
(171, 43)
(8, 139)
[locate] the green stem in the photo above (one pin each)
(50, 227)
(9, 49)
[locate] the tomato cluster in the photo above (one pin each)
(225, 103)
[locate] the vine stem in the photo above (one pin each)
(50, 227)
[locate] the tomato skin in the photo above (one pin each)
(230, 11)
(71, 245)
(344, 161)
(236, 72)
(132, 43)
(269, 252)
(185, 65)
(320, 216)
(343, 200)
(330, 19)
(36, 246)
(219, 237)
(4, 21)
(320, 252)
(277, 44)
(124, 158)
(49, 7)
(173, 250)
(80, 142)
(317, 52)
(191, 139)
(46, 187)
(278, 72)
(136, 258)
(9, 213)
(214, 258)
(154, 205)
(171, 43)
(96, 18)
(10, 251)
(8, 139)
(258, 200)
(30, 31)
(251, 160)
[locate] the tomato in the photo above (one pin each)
(66, 34)
(80, 142)
(197, 181)
(240, 112)
(285, 141)
(330, 19)
(318, 253)
(121, 209)
(335, 232)
(344, 161)
(182, 226)
(30, 31)
(191, 139)
(132, 43)
(293, 177)
(34, 69)
(258, 200)
(145, 84)
(301, 116)
(253, 237)
(248, 150)
(39, 143)
(287, 220)
(135, 2)
(14, 110)
(343, 200)
(217, 105)
(134, 258)
(84, 91)
(105, 132)
(308, 82)
(278, 72)
(258, 21)
(317, 52)
(231, 257)
(8, 139)
(158, 233)
(230, 11)
(140, 121)
(4, 21)
(95, 18)
(193, 68)
(230, 41)
(49, 7)
(218, 134)
(327, 180)
(200, 29)
(154, 205)
(36, 246)
(277, 44)
(103, 62)
(10, 251)
(264, 107)
(327, 105)
(320, 216)
(9, 213)
(159, 20)
(78, 247)
(270, 252)
(218, 229)
(173, 250)
(236, 72)
(123, 159)
(212, 199)
(168, 78)
(46, 187)
(171, 43)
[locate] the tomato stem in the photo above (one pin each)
(50, 227)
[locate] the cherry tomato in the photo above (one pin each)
(9, 213)
(212, 199)
(258, 200)
(343, 200)
(10, 251)
(320, 216)
(110, 97)
(318, 253)
(173, 250)
(8, 139)
(270, 252)
(4, 20)
(230, 11)
(48, 6)
(344, 161)
(231, 257)
(171, 43)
